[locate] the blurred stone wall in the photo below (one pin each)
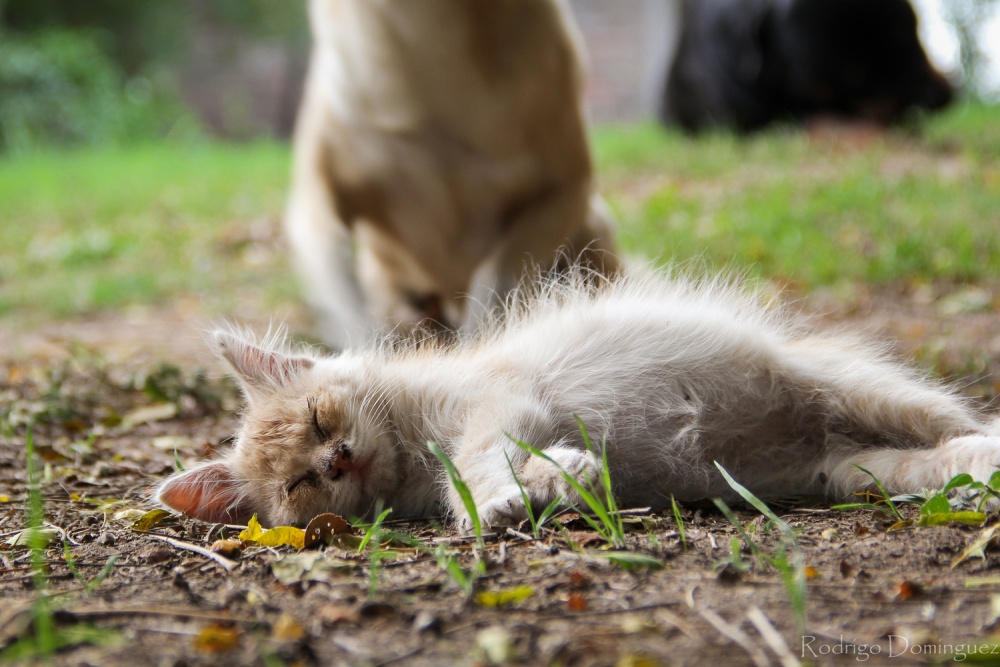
(628, 43)
(242, 86)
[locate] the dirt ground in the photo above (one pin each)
(111, 420)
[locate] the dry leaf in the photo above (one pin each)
(278, 536)
(310, 566)
(909, 590)
(132, 515)
(504, 597)
(287, 629)
(44, 537)
(331, 614)
(227, 548)
(171, 442)
(216, 638)
(149, 519)
(977, 548)
(496, 646)
(577, 601)
(322, 528)
(149, 413)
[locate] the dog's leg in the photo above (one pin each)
(563, 221)
(321, 241)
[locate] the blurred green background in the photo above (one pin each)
(116, 189)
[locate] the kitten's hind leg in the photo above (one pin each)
(910, 470)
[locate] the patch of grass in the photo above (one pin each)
(607, 519)
(813, 210)
(462, 488)
(544, 515)
(679, 521)
(965, 504)
(373, 535)
(88, 230)
(788, 559)
(45, 638)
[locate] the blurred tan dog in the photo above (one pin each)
(440, 147)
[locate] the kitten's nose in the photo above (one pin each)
(340, 462)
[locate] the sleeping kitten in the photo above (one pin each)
(672, 373)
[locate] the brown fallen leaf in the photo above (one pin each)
(332, 614)
(909, 590)
(227, 548)
(217, 638)
(577, 601)
(323, 527)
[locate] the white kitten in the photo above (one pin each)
(673, 373)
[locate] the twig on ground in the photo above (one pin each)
(772, 638)
(228, 565)
(735, 635)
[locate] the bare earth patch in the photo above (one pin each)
(110, 425)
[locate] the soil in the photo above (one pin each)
(875, 596)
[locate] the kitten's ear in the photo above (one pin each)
(208, 492)
(258, 368)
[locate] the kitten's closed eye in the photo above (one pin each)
(307, 479)
(322, 433)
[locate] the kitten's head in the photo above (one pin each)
(313, 440)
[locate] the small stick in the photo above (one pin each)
(735, 635)
(159, 611)
(228, 565)
(772, 638)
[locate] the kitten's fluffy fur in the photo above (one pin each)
(674, 373)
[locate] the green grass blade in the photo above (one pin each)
(885, 494)
(679, 521)
(524, 497)
(370, 532)
(607, 528)
(761, 507)
(461, 488)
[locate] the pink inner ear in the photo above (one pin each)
(208, 492)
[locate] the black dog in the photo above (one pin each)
(746, 63)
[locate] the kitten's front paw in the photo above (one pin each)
(506, 508)
(546, 482)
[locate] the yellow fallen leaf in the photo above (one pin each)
(502, 598)
(252, 531)
(4, 499)
(283, 536)
(278, 536)
(150, 519)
